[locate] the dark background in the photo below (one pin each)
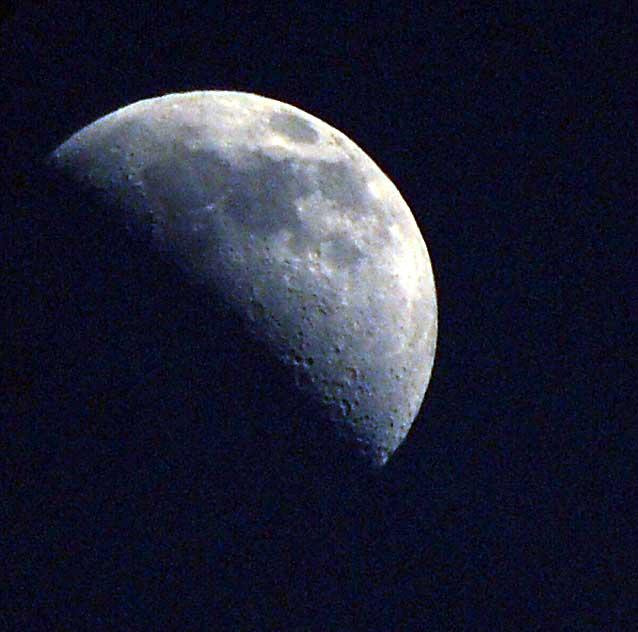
(142, 491)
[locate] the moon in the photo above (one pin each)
(292, 226)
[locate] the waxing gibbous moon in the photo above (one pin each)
(292, 226)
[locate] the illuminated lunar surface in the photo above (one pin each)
(295, 229)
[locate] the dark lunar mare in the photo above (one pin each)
(260, 198)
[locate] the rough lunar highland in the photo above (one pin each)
(296, 229)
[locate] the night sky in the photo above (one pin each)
(143, 493)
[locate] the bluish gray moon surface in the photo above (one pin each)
(295, 229)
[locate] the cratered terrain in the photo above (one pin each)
(292, 227)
